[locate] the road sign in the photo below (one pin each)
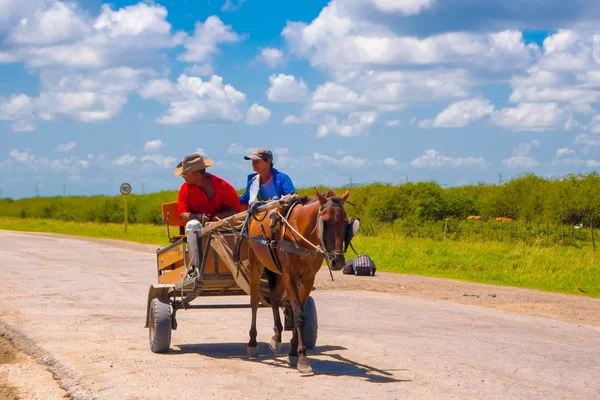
(125, 188)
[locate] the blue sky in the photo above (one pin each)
(95, 94)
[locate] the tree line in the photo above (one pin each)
(572, 199)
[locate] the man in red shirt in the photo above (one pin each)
(203, 193)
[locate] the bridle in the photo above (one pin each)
(329, 255)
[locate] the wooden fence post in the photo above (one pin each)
(393, 231)
(572, 236)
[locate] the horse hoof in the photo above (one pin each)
(252, 351)
(293, 360)
(304, 368)
(275, 346)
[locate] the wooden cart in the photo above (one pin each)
(217, 274)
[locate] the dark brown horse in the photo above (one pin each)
(322, 223)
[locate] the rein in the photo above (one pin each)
(286, 245)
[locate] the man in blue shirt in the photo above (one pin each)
(266, 183)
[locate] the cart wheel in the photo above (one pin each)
(310, 323)
(160, 326)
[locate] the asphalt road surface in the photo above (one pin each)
(79, 307)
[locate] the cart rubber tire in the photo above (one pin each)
(160, 326)
(310, 323)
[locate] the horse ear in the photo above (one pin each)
(345, 196)
(320, 196)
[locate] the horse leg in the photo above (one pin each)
(303, 293)
(297, 345)
(255, 273)
(276, 291)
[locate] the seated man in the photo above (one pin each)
(203, 193)
(266, 182)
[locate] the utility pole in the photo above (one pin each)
(37, 191)
(64, 191)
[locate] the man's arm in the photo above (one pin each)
(230, 201)
(245, 197)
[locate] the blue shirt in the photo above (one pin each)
(268, 191)
(282, 183)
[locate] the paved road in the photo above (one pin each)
(82, 305)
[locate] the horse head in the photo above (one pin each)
(334, 229)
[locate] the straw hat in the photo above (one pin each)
(192, 163)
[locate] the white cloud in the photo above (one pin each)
(153, 145)
(390, 162)
(230, 5)
(197, 100)
(21, 156)
(432, 159)
(521, 156)
(285, 89)
(395, 122)
(199, 70)
(271, 56)
(63, 148)
(587, 140)
(406, 7)
(125, 159)
(206, 37)
(157, 89)
(133, 20)
(282, 151)
(564, 152)
(356, 125)
(201, 151)
(345, 162)
(461, 113)
(237, 149)
(19, 109)
(166, 162)
(257, 115)
(60, 22)
(529, 117)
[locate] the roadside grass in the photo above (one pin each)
(140, 233)
(551, 268)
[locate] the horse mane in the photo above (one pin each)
(304, 200)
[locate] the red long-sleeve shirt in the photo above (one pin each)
(192, 199)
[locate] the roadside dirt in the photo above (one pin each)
(21, 377)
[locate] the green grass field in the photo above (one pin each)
(550, 268)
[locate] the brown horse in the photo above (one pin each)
(322, 222)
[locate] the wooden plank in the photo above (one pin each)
(171, 258)
(241, 278)
(173, 277)
(226, 222)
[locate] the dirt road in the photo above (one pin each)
(78, 307)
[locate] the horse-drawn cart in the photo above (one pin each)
(208, 267)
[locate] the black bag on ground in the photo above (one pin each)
(348, 267)
(363, 265)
